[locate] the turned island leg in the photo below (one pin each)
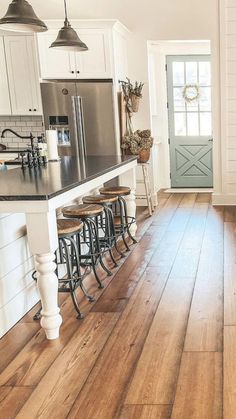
(43, 242)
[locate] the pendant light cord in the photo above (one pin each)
(65, 10)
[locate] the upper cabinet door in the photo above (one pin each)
(34, 76)
(5, 104)
(96, 62)
(54, 64)
(22, 81)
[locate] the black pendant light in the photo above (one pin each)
(20, 17)
(67, 38)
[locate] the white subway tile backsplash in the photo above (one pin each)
(22, 125)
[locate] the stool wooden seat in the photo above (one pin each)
(117, 220)
(115, 190)
(68, 226)
(100, 199)
(82, 210)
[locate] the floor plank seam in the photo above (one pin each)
(148, 261)
(103, 346)
(138, 356)
(149, 404)
(190, 305)
(110, 336)
(124, 393)
(223, 317)
(25, 343)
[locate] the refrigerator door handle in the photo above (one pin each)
(79, 125)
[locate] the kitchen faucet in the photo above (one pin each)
(30, 137)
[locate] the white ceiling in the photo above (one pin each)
(155, 18)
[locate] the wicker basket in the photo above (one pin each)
(135, 100)
(144, 156)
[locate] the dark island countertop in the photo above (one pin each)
(56, 178)
(14, 150)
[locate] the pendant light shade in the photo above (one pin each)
(20, 17)
(67, 38)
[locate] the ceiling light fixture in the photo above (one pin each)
(20, 17)
(67, 38)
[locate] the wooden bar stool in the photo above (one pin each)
(125, 220)
(108, 240)
(68, 256)
(88, 214)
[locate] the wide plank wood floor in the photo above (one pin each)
(159, 342)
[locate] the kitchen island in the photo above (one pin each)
(38, 193)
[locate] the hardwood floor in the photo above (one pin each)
(159, 342)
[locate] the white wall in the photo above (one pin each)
(228, 102)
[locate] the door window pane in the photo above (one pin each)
(191, 72)
(178, 73)
(179, 102)
(205, 123)
(193, 123)
(205, 73)
(205, 99)
(180, 124)
(192, 106)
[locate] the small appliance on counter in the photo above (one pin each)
(82, 114)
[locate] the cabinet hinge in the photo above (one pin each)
(167, 105)
(170, 175)
(168, 140)
(166, 67)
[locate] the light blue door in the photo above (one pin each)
(190, 120)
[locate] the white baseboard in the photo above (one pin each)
(141, 201)
(188, 190)
(223, 199)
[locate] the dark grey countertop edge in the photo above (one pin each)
(65, 189)
(13, 150)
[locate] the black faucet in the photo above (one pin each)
(30, 137)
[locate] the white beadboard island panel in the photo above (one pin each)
(18, 291)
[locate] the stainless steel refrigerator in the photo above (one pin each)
(82, 112)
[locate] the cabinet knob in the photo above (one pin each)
(73, 72)
(35, 110)
(78, 71)
(30, 110)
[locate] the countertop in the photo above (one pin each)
(13, 150)
(56, 178)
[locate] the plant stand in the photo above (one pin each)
(147, 185)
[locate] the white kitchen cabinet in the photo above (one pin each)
(23, 75)
(54, 64)
(94, 63)
(5, 104)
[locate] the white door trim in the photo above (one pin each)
(157, 52)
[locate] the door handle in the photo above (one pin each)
(210, 140)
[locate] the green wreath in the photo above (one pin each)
(191, 93)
